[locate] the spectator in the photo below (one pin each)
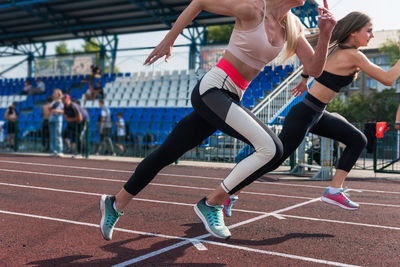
(76, 118)
(105, 129)
(27, 87)
(397, 122)
(98, 91)
(94, 93)
(11, 116)
(40, 89)
(56, 111)
(45, 124)
(121, 132)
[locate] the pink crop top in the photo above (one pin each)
(252, 46)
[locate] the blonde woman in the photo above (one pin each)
(55, 123)
(262, 28)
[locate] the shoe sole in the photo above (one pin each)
(330, 201)
(103, 215)
(204, 221)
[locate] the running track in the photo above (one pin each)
(49, 217)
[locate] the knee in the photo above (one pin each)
(359, 141)
(271, 149)
(363, 140)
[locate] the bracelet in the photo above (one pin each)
(306, 76)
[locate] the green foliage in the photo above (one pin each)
(391, 48)
(219, 34)
(62, 49)
(377, 106)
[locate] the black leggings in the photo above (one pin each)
(215, 109)
(310, 116)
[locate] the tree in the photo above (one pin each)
(219, 34)
(62, 49)
(391, 49)
(377, 106)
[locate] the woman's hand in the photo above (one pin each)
(326, 20)
(300, 88)
(162, 49)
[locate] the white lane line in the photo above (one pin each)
(199, 245)
(195, 242)
(275, 214)
(180, 244)
(187, 176)
(343, 222)
(290, 256)
(64, 175)
(180, 186)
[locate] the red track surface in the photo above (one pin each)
(49, 217)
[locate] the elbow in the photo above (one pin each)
(313, 72)
(387, 82)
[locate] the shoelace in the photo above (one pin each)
(214, 216)
(111, 219)
(345, 191)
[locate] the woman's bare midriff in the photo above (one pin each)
(245, 70)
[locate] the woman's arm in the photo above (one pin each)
(233, 8)
(314, 61)
(374, 71)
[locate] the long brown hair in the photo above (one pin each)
(352, 22)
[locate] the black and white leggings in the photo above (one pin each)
(215, 107)
(310, 116)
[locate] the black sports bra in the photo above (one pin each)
(335, 82)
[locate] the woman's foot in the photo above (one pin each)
(212, 218)
(340, 198)
(228, 205)
(109, 216)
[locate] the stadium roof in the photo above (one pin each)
(33, 21)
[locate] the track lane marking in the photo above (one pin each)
(276, 214)
(178, 186)
(188, 176)
(192, 240)
(196, 243)
(184, 242)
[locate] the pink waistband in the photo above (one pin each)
(230, 70)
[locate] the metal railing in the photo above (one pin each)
(278, 100)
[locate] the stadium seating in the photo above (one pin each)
(151, 102)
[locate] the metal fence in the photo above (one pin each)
(31, 136)
(387, 153)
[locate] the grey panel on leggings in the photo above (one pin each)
(214, 103)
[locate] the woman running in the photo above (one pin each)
(342, 66)
(261, 30)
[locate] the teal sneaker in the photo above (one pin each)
(212, 218)
(109, 216)
(228, 205)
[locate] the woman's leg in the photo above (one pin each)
(52, 136)
(188, 133)
(58, 145)
(296, 125)
(338, 128)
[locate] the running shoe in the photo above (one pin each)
(212, 218)
(228, 205)
(109, 216)
(340, 199)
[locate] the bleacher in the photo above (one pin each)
(151, 102)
